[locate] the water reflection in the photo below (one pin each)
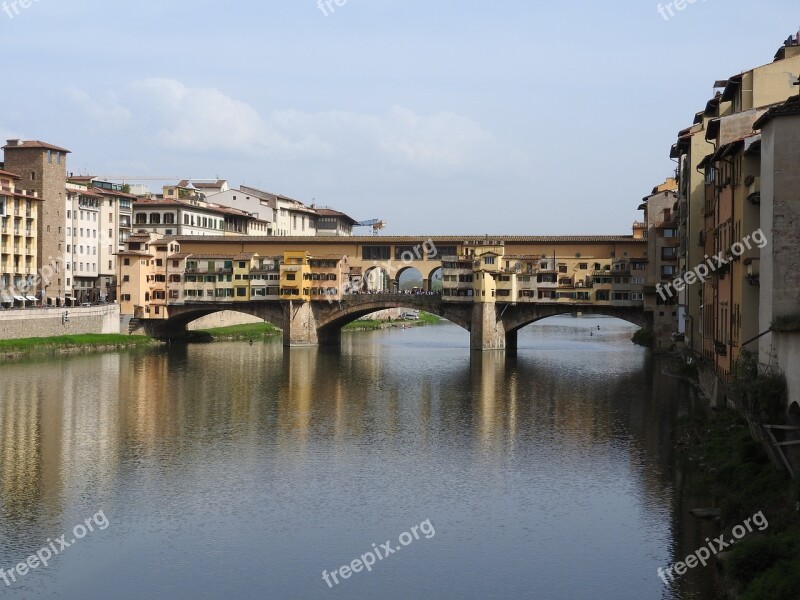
(210, 447)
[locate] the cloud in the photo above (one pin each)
(202, 120)
(104, 110)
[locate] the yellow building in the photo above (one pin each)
(486, 274)
(19, 212)
(294, 269)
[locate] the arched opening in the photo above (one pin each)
(409, 280)
(376, 280)
(562, 330)
(181, 320)
(435, 280)
(399, 310)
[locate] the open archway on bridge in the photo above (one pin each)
(409, 279)
(435, 280)
(376, 279)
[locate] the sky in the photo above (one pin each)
(440, 117)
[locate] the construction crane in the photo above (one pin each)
(376, 224)
(130, 178)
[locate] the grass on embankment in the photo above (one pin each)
(70, 342)
(371, 325)
(260, 331)
(248, 331)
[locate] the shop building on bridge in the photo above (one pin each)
(156, 272)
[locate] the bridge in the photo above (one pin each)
(311, 287)
(491, 326)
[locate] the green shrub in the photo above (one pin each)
(643, 337)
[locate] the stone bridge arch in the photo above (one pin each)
(181, 316)
(337, 315)
(522, 315)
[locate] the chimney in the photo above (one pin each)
(14, 142)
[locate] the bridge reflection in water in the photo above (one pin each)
(550, 475)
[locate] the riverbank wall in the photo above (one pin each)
(51, 322)
(786, 346)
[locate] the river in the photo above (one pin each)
(231, 470)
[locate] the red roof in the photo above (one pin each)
(10, 174)
(33, 144)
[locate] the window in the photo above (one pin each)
(670, 233)
(155, 219)
(141, 219)
(375, 252)
(126, 261)
(583, 266)
(562, 268)
(488, 260)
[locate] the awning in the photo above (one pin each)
(19, 298)
(6, 299)
(32, 298)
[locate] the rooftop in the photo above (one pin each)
(32, 144)
(378, 240)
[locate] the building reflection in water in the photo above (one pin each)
(76, 431)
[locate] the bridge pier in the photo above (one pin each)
(488, 331)
(511, 340)
(300, 325)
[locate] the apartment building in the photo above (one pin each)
(195, 216)
(19, 215)
(143, 267)
(722, 312)
(485, 273)
(99, 219)
(776, 274)
(42, 169)
(305, 277)
(82, 220)
(661, 231)
(289, 217)
(154, 273)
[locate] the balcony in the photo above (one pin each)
(207, 271)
